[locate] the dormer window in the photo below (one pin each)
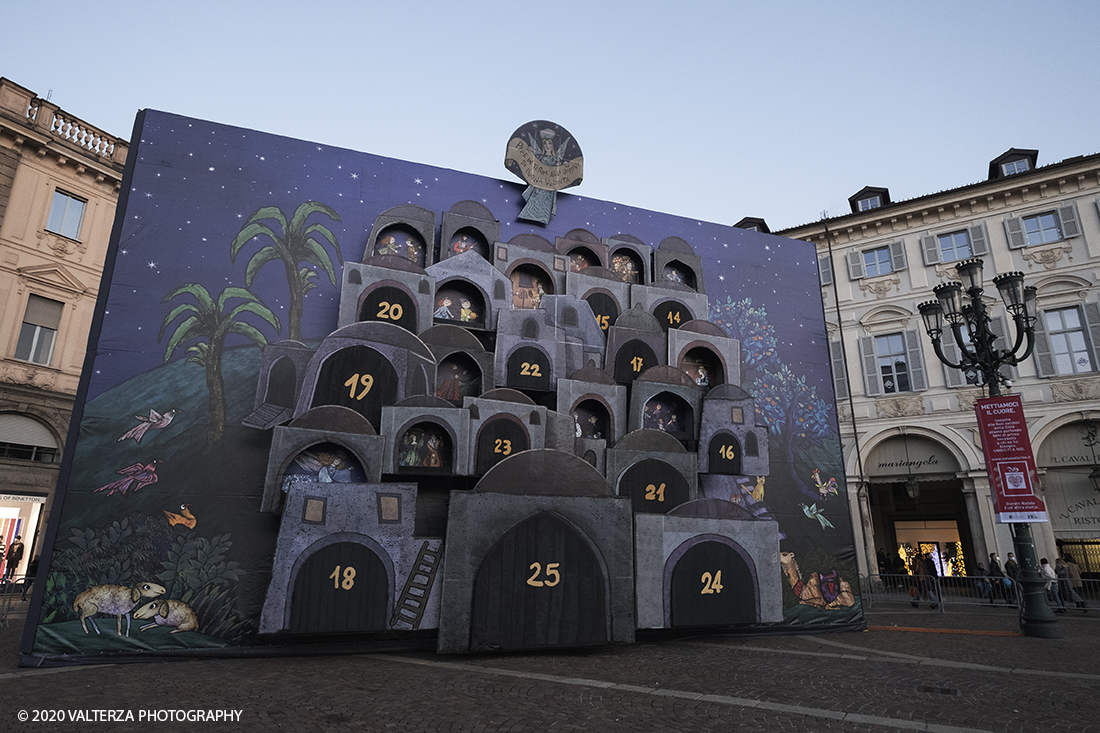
(753, 223)
(868, 199)
(1012, 162)
(871, 202)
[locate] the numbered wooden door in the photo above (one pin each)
(712, 586)
(341, 587)
(390, 305)
(672, 314)
(604, 308)
(499, 438)
(540, 586)
(654, 487)
(633, 358)
(357, 377)
(724, 454)
(529, 368)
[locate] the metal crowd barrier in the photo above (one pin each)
(942, 593)
(13, 591)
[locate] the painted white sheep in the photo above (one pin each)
(165, 612)
(116, 599)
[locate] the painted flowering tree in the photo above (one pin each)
(795, 414)
(749, 325)
(791, 408)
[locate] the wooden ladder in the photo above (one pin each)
(414, 598)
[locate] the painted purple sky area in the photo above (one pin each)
(196, 183)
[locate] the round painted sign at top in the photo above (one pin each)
(545, 155)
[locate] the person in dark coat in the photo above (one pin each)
(13, 556)
(996, 579)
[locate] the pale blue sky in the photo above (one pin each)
(711, 110)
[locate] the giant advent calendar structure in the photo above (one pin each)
(520, 441)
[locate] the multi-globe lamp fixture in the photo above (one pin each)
(960, 305)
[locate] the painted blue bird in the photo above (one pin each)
(813, 513)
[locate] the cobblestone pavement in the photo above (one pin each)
(912, 670)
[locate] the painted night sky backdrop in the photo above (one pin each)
(195, 184)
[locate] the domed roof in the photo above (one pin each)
(544, 472)
(592, 373)
(409, 211)
(582, 235)
(639, 319)
(380, 332)
(728, 392)
(472, 209)
(505, 394)
(701, 326)
(532, 241)
(650, 441)
(667, 375)
(711, 509)
(676, 245)
(334, 419)
(444, 337)
(623, 237)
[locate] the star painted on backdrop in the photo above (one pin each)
(355, 176)
(417, 181)
(152, 265)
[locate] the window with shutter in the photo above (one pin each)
(954, 246)
(930, 250)
(879, 261)
(39, 331)
(872, 382)
(1068, 344)
(897, 256)
(978, 241)
(825, 270)
(855, 265)
(840, 373)
(1014, 231)
(1071, 225)
(1042, 228)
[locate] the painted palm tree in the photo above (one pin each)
(210, 323)
(296, 244)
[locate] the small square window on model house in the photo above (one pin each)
(66, 215)
(39, 331)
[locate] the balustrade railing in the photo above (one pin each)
(82, 134)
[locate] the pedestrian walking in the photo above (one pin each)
(1051, 578)
(1075, 576)
(925, 571)
(28, 579)
(1066, 590)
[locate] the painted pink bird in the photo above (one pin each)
(136, 476)
(155, 421)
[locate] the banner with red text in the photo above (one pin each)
(1009, 460)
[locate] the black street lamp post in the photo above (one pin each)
(960, 304)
